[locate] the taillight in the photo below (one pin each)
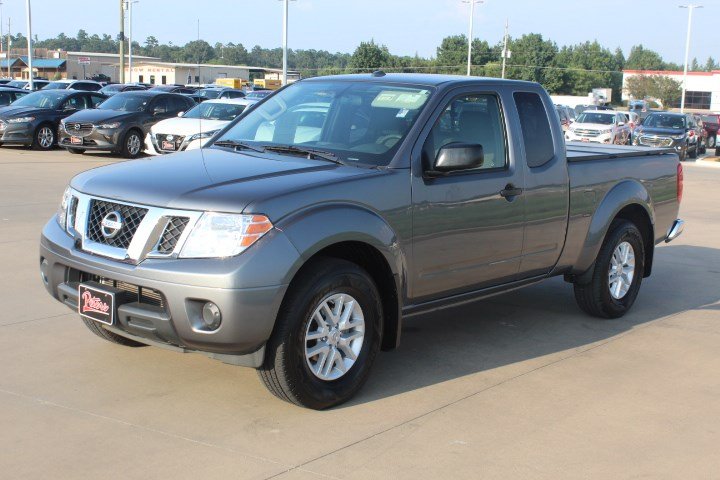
(679, 182)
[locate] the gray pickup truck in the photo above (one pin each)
(300, 238)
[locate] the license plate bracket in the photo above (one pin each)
(168, 145)
(98, 302)
(76, 140)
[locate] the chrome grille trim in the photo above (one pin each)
(85, 129)
(655, 141)
(146, 240)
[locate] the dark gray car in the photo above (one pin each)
(120, 123)
(298, 242)
(670, 130)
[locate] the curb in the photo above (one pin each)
(705, 163)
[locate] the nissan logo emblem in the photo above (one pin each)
(111, 224)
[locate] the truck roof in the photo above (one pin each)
(426, 79)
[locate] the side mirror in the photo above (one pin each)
(458, 156)
(620, 124)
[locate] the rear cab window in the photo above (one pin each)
(535, 125)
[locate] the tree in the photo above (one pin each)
(667, 90)
(452, 53)
(695, 65)
(711, 65)
(370, 56)
(640, 86)
(197, 51)
(641, 58)
(537, 59)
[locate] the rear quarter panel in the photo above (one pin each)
(599, 189)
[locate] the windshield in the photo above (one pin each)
(17, 84)
(215, 111)
(40, 99)
(258, 94)
(111, 89)
(357, 121)
(659, 120)
(126, 102)
(207, 93)
(601, 118)
(56, 86)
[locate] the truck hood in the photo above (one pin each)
(211, 179)
(187, 126)
(670, 132)
(96, 115)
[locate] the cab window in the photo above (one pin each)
(537, 137)
(473, 119)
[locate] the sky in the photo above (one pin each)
(406, 27)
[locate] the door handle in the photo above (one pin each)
(510, 192)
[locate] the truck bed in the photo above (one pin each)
(580, 151)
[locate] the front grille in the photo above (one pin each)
(655, 141)
(171, 235)
(79, 129)
(134, 293)
(586, 133)
(130, 217)
(175, 139)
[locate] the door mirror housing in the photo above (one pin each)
(620, 124)
(458, 156)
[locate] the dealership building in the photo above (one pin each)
(162, 73)
(702, 90)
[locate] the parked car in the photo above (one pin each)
(195, 127)
(669, 130)
(5, 81)
(301, 259)
(564, 114)
(702, 133)
(600, 126)
(119, 124)
(25, 85)
(85, 85)
(114, 88)
(639, 106)
(258, 94)
(711, 122)
(219, 92)
(8, 95)
(174, 89)
(34, 119)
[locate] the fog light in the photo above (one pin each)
(44, 266)
(211, 316)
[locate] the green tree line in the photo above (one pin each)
(570, 69)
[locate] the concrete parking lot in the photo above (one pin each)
(523, 385)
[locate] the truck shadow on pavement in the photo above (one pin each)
(534, 322)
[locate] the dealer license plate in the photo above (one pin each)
(96, 304)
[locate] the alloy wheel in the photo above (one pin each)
(46, 137)
(622, 270)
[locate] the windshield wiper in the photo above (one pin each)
(238, 145)
(310, 152)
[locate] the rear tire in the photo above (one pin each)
(596, 298)
(98, 330)
(711, 142)
(694, 152)
(294, 375)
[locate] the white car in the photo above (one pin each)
(194, 128)
(599, 126)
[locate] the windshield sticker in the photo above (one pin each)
(402, 113)
(400, 99)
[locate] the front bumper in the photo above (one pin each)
(248, 310)
(99, 139)
(17, 133)
(570, 136)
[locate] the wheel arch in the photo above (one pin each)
(360, 236)
(628, 200)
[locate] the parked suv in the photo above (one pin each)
(114, 88)
(219, 92)
(600, 126)
(670, 130)
(38, 84)
(34, 119)
(711, 122)
(86, 85)
(120, 123)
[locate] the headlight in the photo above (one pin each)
(198, 136)
(109, 125)
(21, 120)
(63, 208)
(224, 235)
(607, 130)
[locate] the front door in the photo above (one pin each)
(467, 226)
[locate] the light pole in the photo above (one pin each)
(29, 44)
(690, 8)
(470, 33)
(1, 33)
(129, 4)
(286, 4)
(122, 41)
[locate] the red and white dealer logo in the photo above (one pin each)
(93, 304)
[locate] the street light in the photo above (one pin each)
(690, 8)
(128, 7)
(470, 34)
(286, 3)
(29, 45)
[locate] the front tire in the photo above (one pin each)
(44, 138)
(132, 144)
(326, 336)
(711, 142)
(617, 273)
